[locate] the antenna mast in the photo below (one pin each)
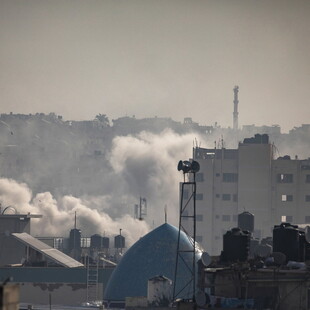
(185, 256)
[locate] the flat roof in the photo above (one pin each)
(51, 253)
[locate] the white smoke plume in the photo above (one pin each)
(140, 166)
(58, 216)
(147, 166)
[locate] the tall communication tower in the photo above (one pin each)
(187, 216)
(235, 114)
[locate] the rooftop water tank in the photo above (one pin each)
(74, 239)
(105, 242)
(96, 241)
(236, 244)
(286, 240)
(246, 221)
(119, 242)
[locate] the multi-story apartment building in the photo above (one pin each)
(249, 178)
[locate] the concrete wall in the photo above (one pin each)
(61, 293)
(67, 286)
(254, 185)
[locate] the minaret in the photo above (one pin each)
(235, 114)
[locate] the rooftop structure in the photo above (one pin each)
(12, 251)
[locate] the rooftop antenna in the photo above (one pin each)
(165, 214)
(75, 220)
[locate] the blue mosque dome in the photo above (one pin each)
(152, 255)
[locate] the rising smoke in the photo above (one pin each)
(140, 166)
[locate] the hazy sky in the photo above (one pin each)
(163, 58)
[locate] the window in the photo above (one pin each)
(235, 197)
(307, 198)
(199, 238)
(226, 197)
(199, 196)
(230, 177)
(287, 219)
(199, 217)
(307, 178)
(287, 197)
(217, 217)
(235, 218)
(307, 219)
(217, 195)
(217, 174)
(285, 178)
(199, 177)
(225, 218)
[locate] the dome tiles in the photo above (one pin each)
(152, 255)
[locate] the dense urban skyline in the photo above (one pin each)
(176, 58)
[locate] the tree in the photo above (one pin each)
(102, 118)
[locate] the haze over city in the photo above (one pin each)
(157, 58)
(155, 143)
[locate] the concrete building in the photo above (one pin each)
(248, 178)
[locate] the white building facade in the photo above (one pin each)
(249, 178)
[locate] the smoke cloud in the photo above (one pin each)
(146, 166)
(58, 215)
(140, 166)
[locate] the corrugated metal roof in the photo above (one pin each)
(46, 250)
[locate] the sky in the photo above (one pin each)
(165, 58)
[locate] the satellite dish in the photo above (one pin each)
(206, 259)
(202, 298)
